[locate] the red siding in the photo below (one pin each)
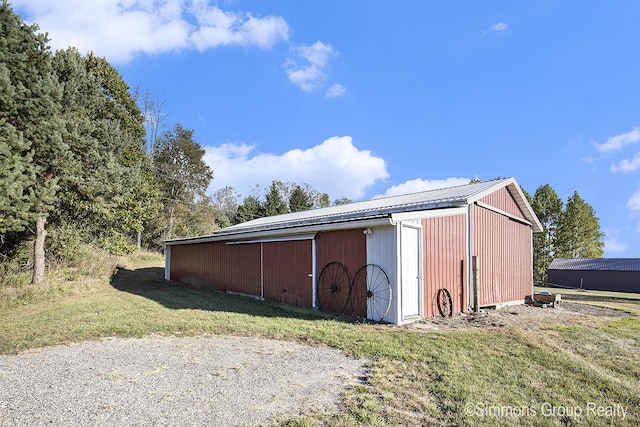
(444, 261)
(503, 200)
(286, 268)
(218, 266)
(278, 271)
(503, 248)
(348, 247)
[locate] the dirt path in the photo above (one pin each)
(520, 316)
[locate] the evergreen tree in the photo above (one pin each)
(17, 175)
(108, 187)
(274, 204)
(138, 205)
(248, 210)
(31, 108)
(578, 234)
(299, 200)
(548, 208)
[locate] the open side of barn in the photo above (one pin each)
(475, 241)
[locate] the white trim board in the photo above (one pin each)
(434, 213)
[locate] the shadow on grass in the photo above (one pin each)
(149, 283)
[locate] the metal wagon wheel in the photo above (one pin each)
(444, 303)
(372, 293)
(334, 287)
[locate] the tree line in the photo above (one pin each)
(85, 160)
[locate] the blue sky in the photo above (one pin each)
(364, 98)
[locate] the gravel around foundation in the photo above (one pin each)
(171, 381)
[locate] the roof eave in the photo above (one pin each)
(279, 232)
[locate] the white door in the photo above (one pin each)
(410, 273)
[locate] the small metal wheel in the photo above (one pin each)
(334, 287)
(444, 303)
(371, 293)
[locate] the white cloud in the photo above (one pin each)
(335, 167)
(312, 74)
(627, 165)
(613, 245)
(336, 90)
(499, 27)
(615, 143)
(122, 29)
(416, 185)
(634, 202)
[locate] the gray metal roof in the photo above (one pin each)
(599, 264)
(382, 208)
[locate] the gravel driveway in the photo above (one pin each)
(171, 381)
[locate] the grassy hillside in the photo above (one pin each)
(525, 374)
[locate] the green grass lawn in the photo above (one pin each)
(499, 376)
(621, 301)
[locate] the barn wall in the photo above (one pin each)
(216, 265)
(286, 272)
(503, 200)
(444, 249)
(345, 246)
(504, 250)
(617, 281)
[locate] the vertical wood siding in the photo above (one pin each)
(286, 269)
(444, 249)
(503, 247)
(346, 246)
(503, 200)
(216, 265)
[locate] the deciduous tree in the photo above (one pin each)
(181, 172)
(548, 208)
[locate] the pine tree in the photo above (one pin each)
(548, 208)
(32, 108)
(108, 184)
(17, 176)
(248, 210)
(299, 200)
(274, 203)
(578, 234)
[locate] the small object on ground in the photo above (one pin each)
(445, 305)
(546, 299)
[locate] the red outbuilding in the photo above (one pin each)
(396, 259)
